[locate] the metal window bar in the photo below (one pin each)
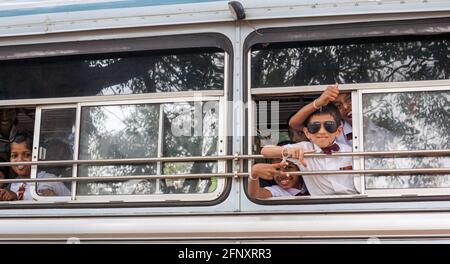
(435, 171)
(403, 153)
(236, 157)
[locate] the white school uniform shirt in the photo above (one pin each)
(326, 184)
(58, 187)
(277, 191)
(342, 138)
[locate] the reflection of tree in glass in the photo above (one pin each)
(380, 61)
(109, 74)
(163, 73)
(119, 132)
(131, 131)
(414, 121)
(202, 142)
(56, 140)
(102, 63)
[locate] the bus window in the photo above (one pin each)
(113, 74)
(199, 141)
(117, 132)
(56, 140)
(99, 107)
(149, 130)
(406, 120)
(399, 117)
(350, 61)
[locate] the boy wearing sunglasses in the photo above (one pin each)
(343, 102)
(322, 128)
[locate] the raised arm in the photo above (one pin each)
(265, 171)
(286, 152)
(329, 95)
(272, 151)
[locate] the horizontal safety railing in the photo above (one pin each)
(435, 171)
(135, 161)
(236, 157)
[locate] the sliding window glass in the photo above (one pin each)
(113, 74)
(399, 93)
(369, 60)
(190, 129)
(118, 132)
(56, 143)
(150, 130)
(112, 112)
(406, 120)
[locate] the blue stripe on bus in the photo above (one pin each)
(95, 6)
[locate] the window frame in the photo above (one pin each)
(35, 153)
(392, 191)
(317, 33)
(204, 197)
(358, 162)
(98, 47)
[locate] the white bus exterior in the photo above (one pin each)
(45, 32)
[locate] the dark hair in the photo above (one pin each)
(285, 142)
(329, 109)
(24, 136)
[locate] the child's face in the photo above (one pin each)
(20, 152)
(344, 103)
(291, 181)
(323, 138)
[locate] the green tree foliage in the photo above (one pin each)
(132, 131)
(372, 60)
(407, 121)
(131, 73)
(399, 121)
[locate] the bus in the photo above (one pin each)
(151, 114)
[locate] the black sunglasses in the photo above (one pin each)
(314, 127)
